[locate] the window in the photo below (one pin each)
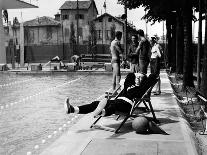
(81, 16)
(31, 36)
(64, 17)
(100, 20)
(109, 19)
(108, 34)
(99, 34)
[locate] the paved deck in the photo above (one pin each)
(80, 139)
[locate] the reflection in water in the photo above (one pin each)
(24, 125)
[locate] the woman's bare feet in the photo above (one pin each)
(68, 107)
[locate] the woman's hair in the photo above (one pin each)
(129, 81)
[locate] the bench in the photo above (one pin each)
(193, 93)
(89, 61)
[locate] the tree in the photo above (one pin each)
(179, 42)
(92, 40)
(188, 52)
(204, 70)
(72, 37)
(158, 10)
(113, 31)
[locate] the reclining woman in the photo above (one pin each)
(122, 104)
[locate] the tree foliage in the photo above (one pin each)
(158, 10)
(113, 30)
(92, 35)
(72, 33)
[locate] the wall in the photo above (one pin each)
(34, 53)
(43, 35)
(83, 23)
(104, 26)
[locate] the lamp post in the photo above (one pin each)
(199, 45)
(125, 30)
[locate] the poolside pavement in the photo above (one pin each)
(80, 139)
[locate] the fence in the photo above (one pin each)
(44, 53)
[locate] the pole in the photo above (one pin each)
(63, 38)
(146, 26)
(199, 45)
(125, 31)
(163, 29)
(77, 16)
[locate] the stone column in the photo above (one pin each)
(2, 41)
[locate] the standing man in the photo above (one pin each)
(133, 56)
(115, 60)
(144, 51)
(155, 62)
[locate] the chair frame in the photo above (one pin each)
(146, 98)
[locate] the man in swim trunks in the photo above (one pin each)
(115, 61)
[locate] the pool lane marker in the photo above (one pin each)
(61, 128)
(15, 83)
(6, 106)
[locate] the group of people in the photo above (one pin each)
(140, 54)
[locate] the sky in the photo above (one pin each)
(51, 7)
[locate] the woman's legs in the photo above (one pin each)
(88, 108)
(84, 109)
(107, 107)
(117, 105)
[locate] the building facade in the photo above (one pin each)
(83, 14)
(104, 25)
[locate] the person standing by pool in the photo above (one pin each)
(155, 62)
(116, 50)
(144, 51)
(133, 56)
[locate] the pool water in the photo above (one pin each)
(38, 106)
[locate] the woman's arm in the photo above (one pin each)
(100, 107)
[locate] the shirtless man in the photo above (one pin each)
(115, 61)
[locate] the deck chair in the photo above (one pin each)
(145, 97)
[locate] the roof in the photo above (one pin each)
(106, 14)
(72, 5)
(42, 21)
(16, 4)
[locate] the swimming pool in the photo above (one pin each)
(31, 107)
